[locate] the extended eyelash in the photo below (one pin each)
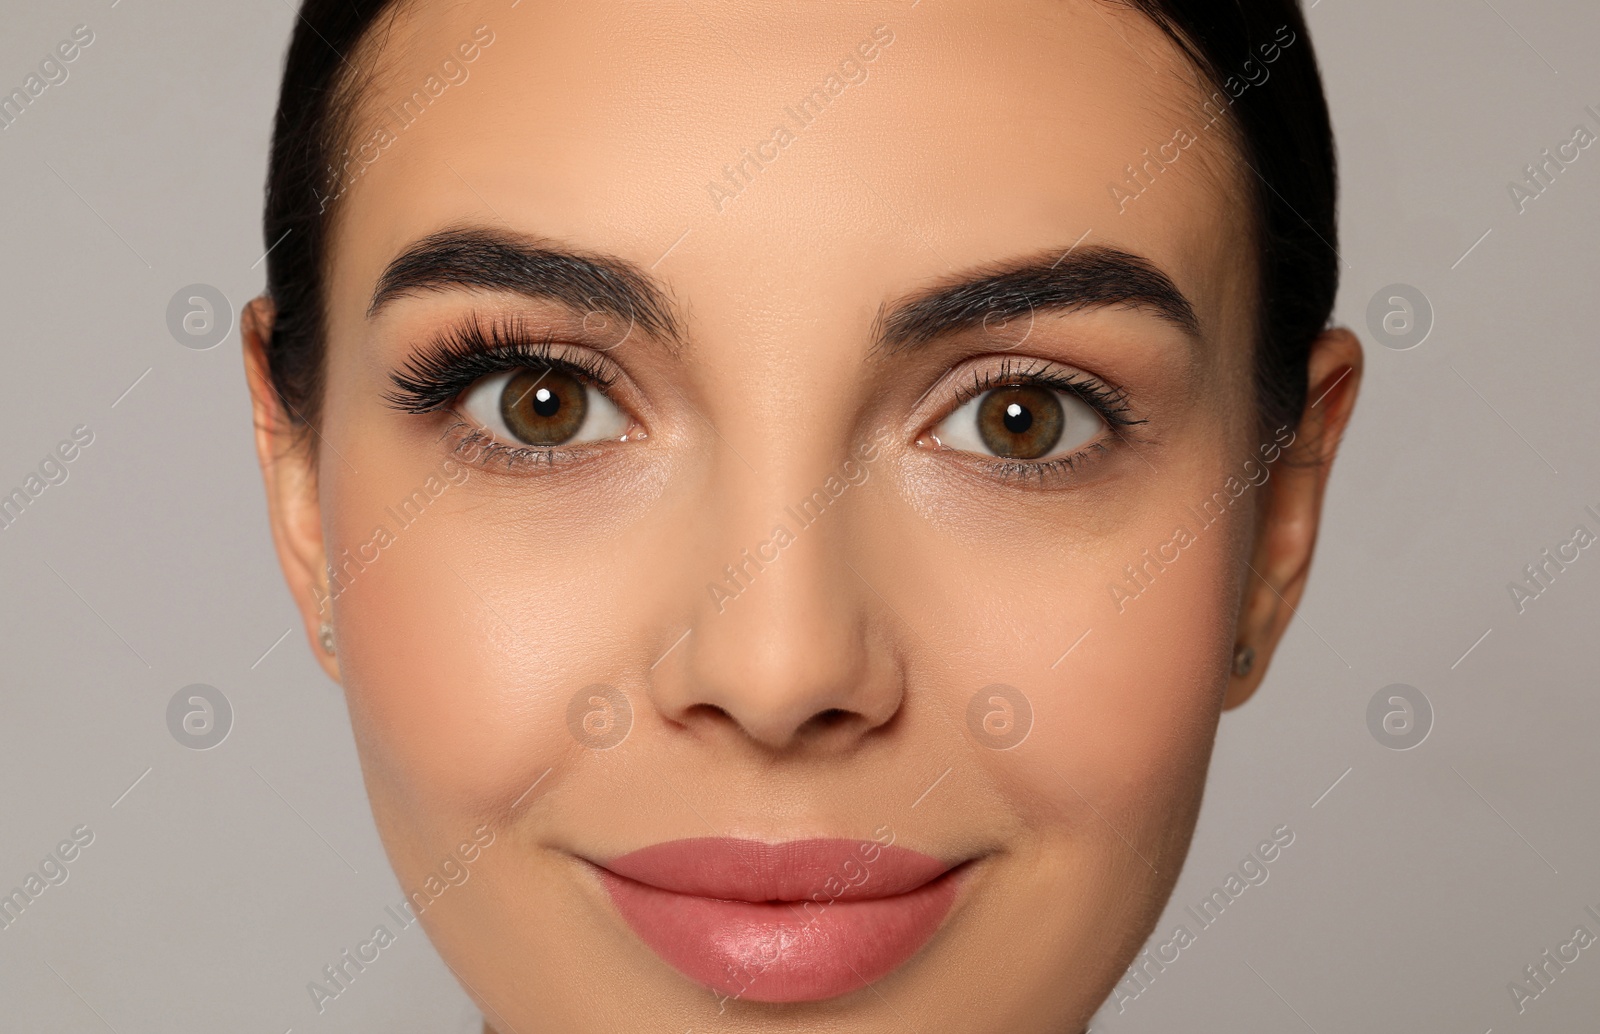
(468, 352)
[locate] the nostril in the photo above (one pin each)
(832, 718)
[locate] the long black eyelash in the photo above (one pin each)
(1111, 403)
(466, 353)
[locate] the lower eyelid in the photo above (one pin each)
(1059, 469)
(478, 446)
(1046, 470)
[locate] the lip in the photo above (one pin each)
(797, 921)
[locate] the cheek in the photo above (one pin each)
(461, 647)
(1138, 710)
(1124, 703)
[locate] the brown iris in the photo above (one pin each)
(544, 407)
(1021, 421)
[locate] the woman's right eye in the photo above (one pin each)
(543, 407)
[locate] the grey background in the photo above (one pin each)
(224, 880)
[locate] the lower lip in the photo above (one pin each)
(806, 949)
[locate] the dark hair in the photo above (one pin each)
(1283, 138)
(1286, 143)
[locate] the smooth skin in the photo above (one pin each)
(832, 693)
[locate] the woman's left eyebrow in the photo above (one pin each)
(1089, 278)
(479, 258)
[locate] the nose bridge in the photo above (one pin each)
(785, 643)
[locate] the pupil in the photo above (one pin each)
(1020, 421)
(543, 407)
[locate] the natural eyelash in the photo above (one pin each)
(1111, 403)
(476, 442)
(468, 352)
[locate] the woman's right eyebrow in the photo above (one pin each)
(481, 258)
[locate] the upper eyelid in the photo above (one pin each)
(967, 374)
(995, 378)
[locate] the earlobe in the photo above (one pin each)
(1291, 508)
(288, 471)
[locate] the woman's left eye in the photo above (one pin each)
(543, 408)
(1021, 422)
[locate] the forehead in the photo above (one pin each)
(777, 153)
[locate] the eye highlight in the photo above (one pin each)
(1033, 417)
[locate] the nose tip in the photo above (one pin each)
(789, 652)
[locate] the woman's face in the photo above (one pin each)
(881, 470)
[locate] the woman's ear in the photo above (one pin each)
(1291, 507)
(289, 468)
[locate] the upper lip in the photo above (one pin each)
(819, 869)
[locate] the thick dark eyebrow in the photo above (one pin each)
(1082, 279)
(495, 260)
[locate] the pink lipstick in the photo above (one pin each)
(790, 922)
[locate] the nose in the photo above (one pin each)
(790, 646)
